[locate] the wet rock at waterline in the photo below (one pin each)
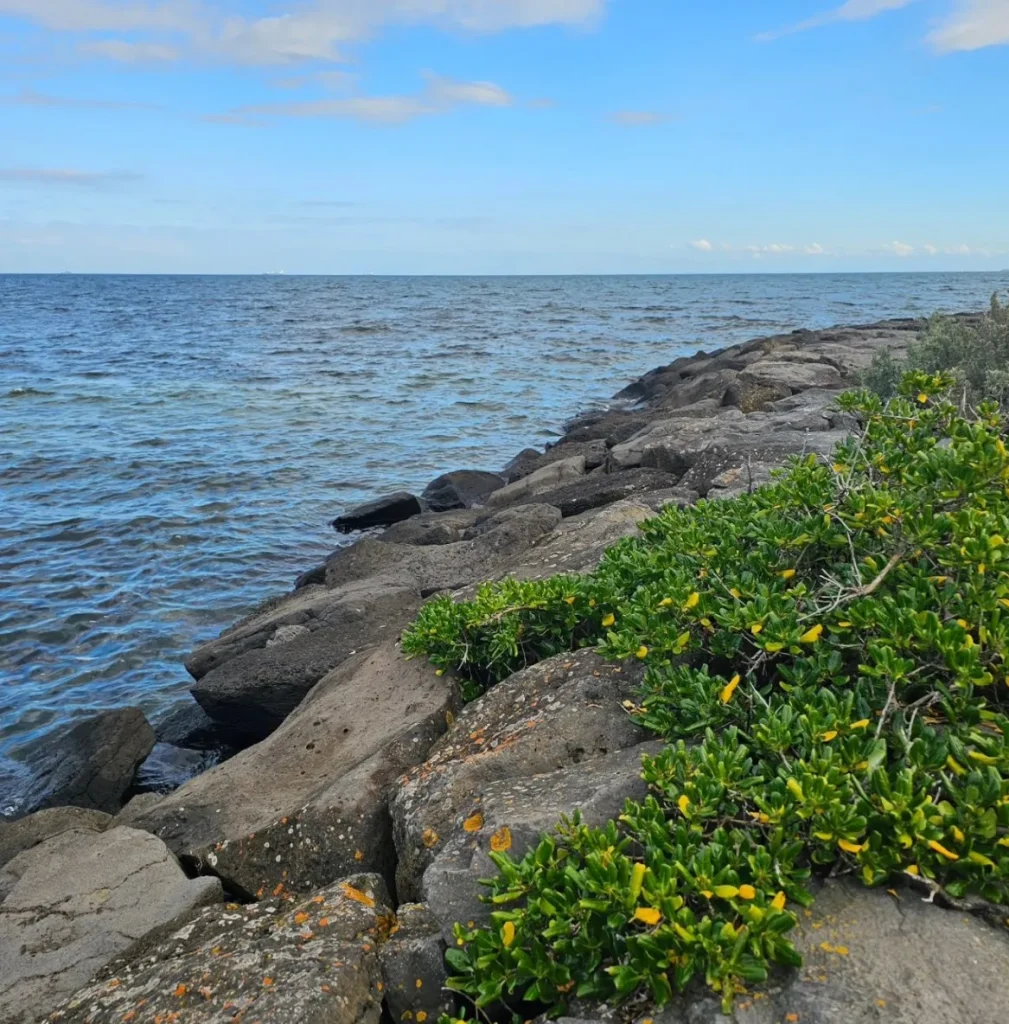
(393, 508)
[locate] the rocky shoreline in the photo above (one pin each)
(352, 827)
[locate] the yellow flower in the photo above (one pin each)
(756, 628)
(829, 735)
(957, 835)
(912, 869)
(942, 851)
(707, 893)
(862, 723)
(729, 689)
(569, 600)
(684, 804)
(839, 468)
(922, 397)
(779, 901)
(788, 574)
(747, 892)
(641, 652)
(665, 602)
(811, 635)
(648, 915)
(737, 595)
(691, 602)
(850, 847)
(507, 934)
(608, 620)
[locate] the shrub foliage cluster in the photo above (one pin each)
(975, 352)
(826, 661)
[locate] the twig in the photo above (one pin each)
(994, 913)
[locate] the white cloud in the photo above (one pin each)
(311, 32)
(438, 96)
(958, 250)
(702, 245)
(931, 250)
(30, 98)
(639, 118)
(973, 25)
(901, 249)
(815, 249)
(853, 10)
(130, 53)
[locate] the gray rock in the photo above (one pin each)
(253, 691)
(186, 724)
(73, 902)
(431, 528)
(606, 488)
(413, 967)
(309, 804)
(462, 488)
(393, 508)
(23, 834)
(136, 806)
(547, 478)
(514, 815)
(778, 374)
(594, 452)
(552, 715)
(869, 957)
(312, 961)
(91, 764)
(612, 427)
(687, 392)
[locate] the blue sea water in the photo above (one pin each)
(172, 449)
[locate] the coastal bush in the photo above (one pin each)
(826, 659)
(975, 352)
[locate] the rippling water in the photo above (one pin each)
(173, 448)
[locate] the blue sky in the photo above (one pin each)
(503, 136)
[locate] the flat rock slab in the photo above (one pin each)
(73, 902)
(91, 764)
(309, 804)
(313, 961)
(513, 816)
(550, 716)
(23, 834)
(870, 958)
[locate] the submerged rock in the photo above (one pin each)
(281, 961)
(73, 902)
(91, 764)
(393, 508)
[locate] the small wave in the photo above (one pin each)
(27, 393)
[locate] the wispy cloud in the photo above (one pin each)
(973, 25)
(64, 177)
(639, 118)
(702, 245)
(124, 52)
(901, 249)
(761, 250)
(30, 98)
(853, 10)
(438, 96)
(310, 32)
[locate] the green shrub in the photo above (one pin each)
(826, 659)
(976, 353)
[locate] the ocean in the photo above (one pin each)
(172, 449)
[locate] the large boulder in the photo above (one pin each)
(544, 479)
(870, 955)
(73, 902)
(296, 644)
(413, 967)
(392, 508)
(462, 488)
(23, 834)
(314, 961)
(605, 488)
(309, 803)
(791, 374)
(552, 715)
(91, 764)
(513, 815)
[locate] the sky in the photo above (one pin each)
(503, 136)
